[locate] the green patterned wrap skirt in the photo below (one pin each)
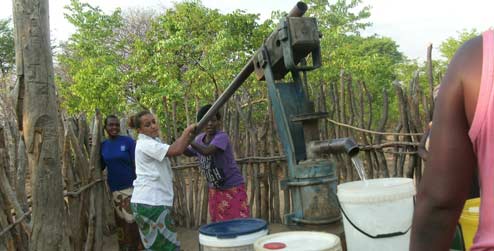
(156, 227)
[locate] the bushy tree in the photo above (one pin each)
(190, 52)
(372, 59)
(451, 44)
(7, 51)
(186, 53)
(91, 63)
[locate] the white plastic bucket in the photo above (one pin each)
(299, 241)
(377, 214)
(233, 235)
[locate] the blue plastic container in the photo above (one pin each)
(238, 234)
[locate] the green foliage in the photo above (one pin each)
(189, 54)
(372, 60)
(341, 17)
(192, 53)
(449, 47)
(91, 62)
(7, 50)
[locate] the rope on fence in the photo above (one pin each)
(283, 158)
(240, 161)
(401, 153)
(73, 194)
(261, 159)
(373, 132)
(77, 193)
(387, 144)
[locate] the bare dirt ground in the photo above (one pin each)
(189, 238)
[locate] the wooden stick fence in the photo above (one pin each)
(88, 207)
(388, 150)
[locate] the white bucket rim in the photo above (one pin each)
(240, 240)
(376, 190)
(333, 241)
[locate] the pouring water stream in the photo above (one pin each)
(359, 166)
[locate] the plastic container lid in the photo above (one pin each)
(376, 190)
(233, 228)
(299, 240)
(274, 245)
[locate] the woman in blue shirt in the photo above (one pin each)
(117, 154)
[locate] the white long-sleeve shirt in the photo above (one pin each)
(153, 185)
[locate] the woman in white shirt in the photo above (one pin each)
(152, 199)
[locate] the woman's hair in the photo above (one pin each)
(204, 110)
(135, 120)
(109, 117)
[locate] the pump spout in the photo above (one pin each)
(334, 146)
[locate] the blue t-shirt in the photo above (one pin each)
(118, 156)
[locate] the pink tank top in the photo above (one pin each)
(482, 136)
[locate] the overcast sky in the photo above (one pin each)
(412, 24)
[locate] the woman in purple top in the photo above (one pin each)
(227, 195)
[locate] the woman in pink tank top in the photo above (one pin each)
(462, 142)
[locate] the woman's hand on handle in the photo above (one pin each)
(178, 147)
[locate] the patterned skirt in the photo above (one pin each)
(228, 204)
(127, 231)
(156, 226)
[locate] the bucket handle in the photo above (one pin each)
(379, 236)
